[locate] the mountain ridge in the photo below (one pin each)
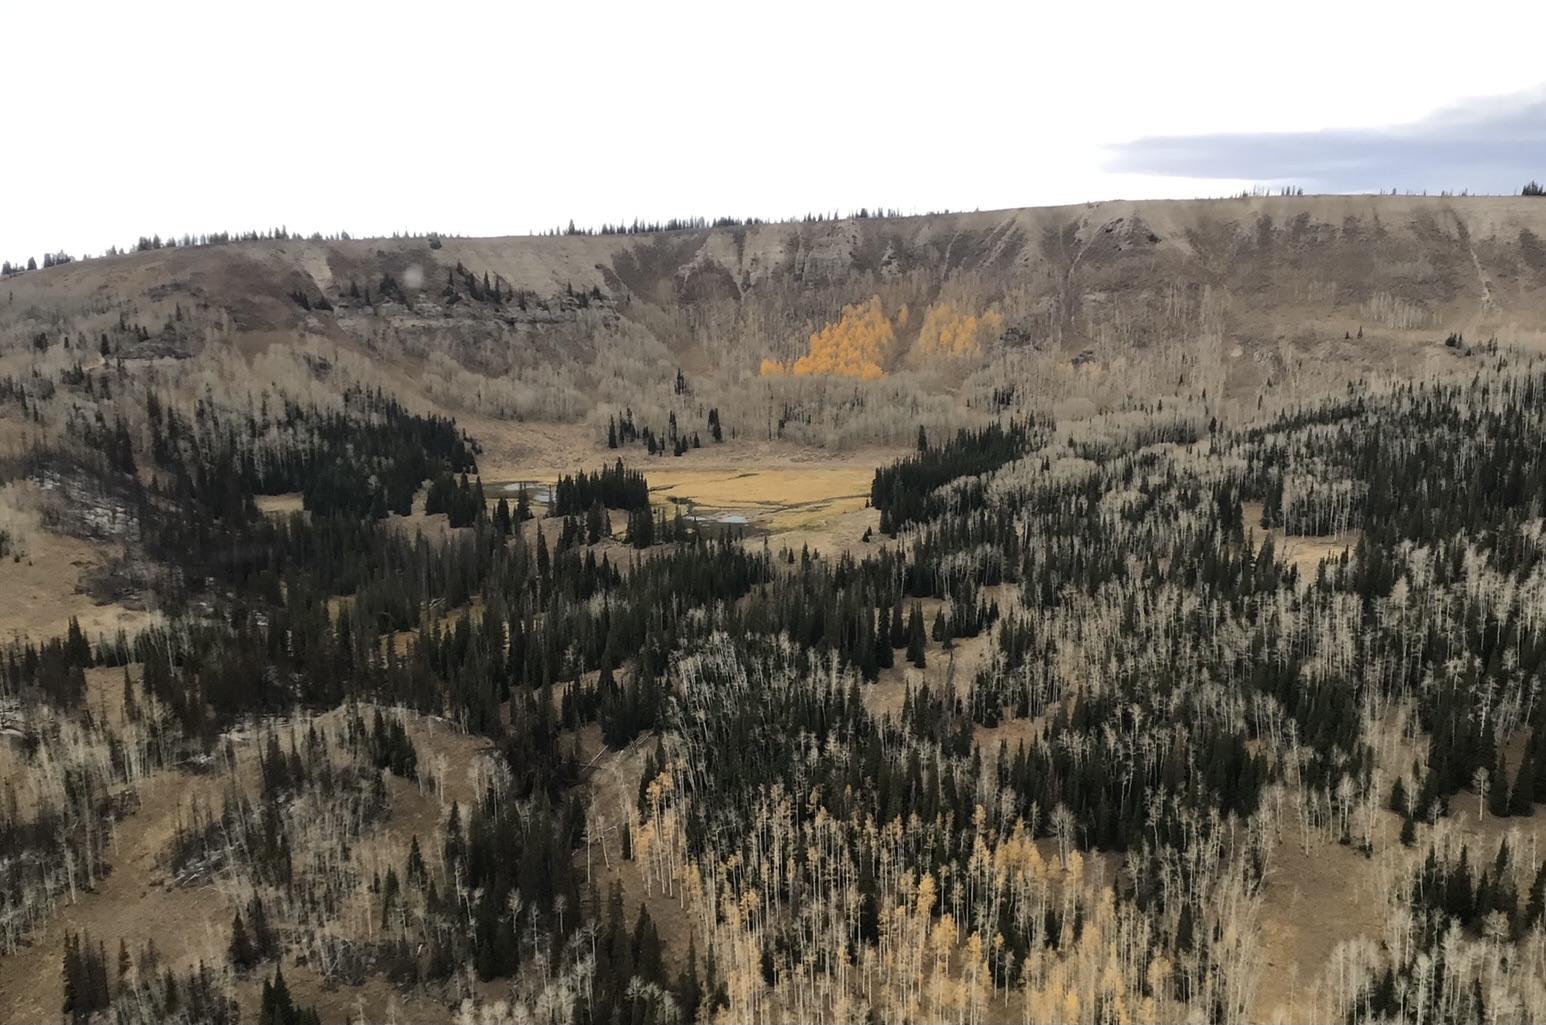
(1250, 302)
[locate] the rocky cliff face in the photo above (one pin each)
(1347, 283)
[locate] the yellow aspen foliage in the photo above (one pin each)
(974, 949)
(858, 345)
(1035, 864)
(1113, 988)
(1091, 937)
(694, 881)
(1040, 1007)
(943, 940)
(1159, 973)
(1075, 869)
(954, 333)
(926, 893)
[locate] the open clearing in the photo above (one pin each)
(821, 502)
(1305, 551)
(276, 505)
(44, 579)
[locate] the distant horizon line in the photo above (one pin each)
(281, 233)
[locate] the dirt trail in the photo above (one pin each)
(1488, 306)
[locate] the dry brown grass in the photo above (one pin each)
(1305, 551)
(137, 901)
(761, 489)
(277, 505)
(1312, 902)
(800, 497)
(613, 782)
(43, 585)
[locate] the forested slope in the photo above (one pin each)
(1193, 705)
(1146, 687)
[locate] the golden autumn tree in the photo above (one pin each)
(953, 333)
(858, 344)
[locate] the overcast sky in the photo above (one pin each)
(497, 118)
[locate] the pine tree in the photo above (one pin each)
(241, 952)
(915, 637)
(1520, 795)
(646, 948)
(276, 1007)
(1399, 802)
(1498, 802)
(131, 709)
(100, 995)
(1536, 903)
(455, 846)
(73, 1007)
(595, 523)
(264, 945)
(689, 993)
(415, 872)
(885, 655)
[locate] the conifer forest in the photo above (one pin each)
(1087, 691)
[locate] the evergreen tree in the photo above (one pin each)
(915, 637)
(1399, 802)
(74, 1006)
(1536, 903)
(276, 1007)
(416, 871)
(1498, 802)
(241, 952)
